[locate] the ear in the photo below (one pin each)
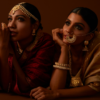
(89, 37)
(35, 25)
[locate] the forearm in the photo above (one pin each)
(59, 76)
(76, 92)
(4, 69)
(22, 83)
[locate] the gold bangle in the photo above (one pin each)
(60, 64)
(61, 67)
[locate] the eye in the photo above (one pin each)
(67, 23)
(9, 19)
(79, 27)
(21, 19)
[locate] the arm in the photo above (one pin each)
(43, 93)
(76, 92)
(59, 76)
(21, 78)
(37, 69)
(4, 53)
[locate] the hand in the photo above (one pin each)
(41, 93)
(58, 36)
(4, 36)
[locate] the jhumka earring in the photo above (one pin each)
(85, 48)
(33, 33)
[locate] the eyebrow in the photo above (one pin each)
(76, 23)
(18, 16)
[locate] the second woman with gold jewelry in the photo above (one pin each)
(77, 72)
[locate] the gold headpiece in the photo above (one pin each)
(23, 9)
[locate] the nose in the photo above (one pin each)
(69, 30)
(11, 24)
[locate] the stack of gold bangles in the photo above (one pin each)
(61, 66)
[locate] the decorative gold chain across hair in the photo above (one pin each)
(23, 9)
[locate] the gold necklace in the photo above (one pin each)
(75, 80)
(19, 50)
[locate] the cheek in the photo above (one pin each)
(25, 28)
(80, 39)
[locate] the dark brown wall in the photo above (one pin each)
(53, 12)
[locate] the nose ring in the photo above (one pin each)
(71, 39)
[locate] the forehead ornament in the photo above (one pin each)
(23, 9)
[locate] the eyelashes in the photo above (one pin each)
(76, 26)
(9, 19)
(19, 19)
(67, 23)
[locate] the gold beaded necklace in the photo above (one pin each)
(75, 80)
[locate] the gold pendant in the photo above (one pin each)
(76, 82)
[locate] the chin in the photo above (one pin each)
(13, 39)
(65, 41)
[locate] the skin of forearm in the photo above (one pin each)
(4, 69)
(22, 83)
(76, 92)
(59, 76)
(64, 56)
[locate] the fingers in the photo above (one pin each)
(35, 91)
(38, 93)
(32, 91)
(58, 36)
(4, 29)
(40, 96)
(55, 33)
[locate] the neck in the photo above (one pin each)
(24, 43)
(76, 50)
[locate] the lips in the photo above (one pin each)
(12, 33)
(68, 35)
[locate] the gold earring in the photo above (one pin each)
(85, 48)
(33, 33)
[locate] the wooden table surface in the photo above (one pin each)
(5, 96)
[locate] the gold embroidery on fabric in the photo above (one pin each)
(76, 82)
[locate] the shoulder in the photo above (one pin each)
(45, 39)
(42, 39)
(95, 42)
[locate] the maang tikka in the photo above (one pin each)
(23, 9)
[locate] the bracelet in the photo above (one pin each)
(60, 64)
(61, 67)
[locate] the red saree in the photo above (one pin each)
(36, 62)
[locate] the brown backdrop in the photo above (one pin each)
(53, 12)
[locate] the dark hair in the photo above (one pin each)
(34, 11)
(88, 15)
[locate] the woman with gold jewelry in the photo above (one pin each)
(77, 72)
(26, 52)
